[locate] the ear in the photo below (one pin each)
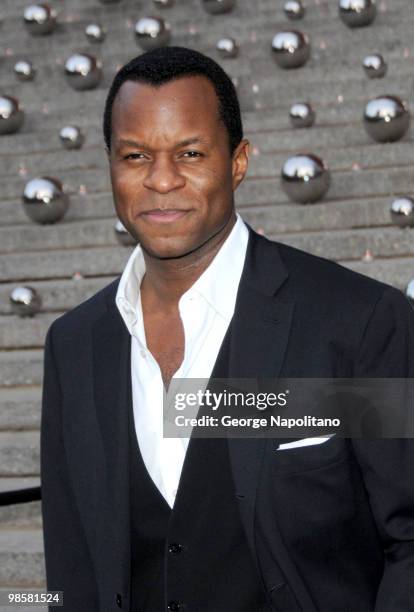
(240, 162)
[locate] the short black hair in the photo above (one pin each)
(165, 64)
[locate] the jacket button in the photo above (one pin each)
(175, 548)
(174, 606)
(119, 600)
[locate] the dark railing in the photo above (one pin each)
(20, 496)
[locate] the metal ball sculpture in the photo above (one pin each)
(11, 115)
(357, 13)
(291, 48)
(44, 200)
(95, 33)
(152, 33)
(227, 48)
(305, 178)
(302, 115)
(71, 137)
(386, 118)
(24, 70)
(409, 291)
(218, 7)
(402, 212)
(294, 9)
(25, 301)
(163, 3)
(374, 66)
(83, 71)
(39, 19)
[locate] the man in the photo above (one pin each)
(142, 523)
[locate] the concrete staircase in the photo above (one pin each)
(70, 261)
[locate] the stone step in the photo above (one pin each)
(22, 558)
(348, 245)
(397, 272)
(25, 332)
(64, 264)
(21, 368)
(186, 7)
(27, 515)
(20, 409)
(19, 453)
(57, 295)
(338, 244)
(288, 218)
(23, 515)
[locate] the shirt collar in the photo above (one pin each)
(218, 284)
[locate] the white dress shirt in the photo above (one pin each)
(206, 310)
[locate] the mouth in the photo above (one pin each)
(166, 215)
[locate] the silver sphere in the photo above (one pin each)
(163, 3)
(39, 19)
(71, 137)
(402, 212)
(44, 200)
(294, 9)
(11, 115)
(291, 48)
(305, 178)
(218, 7)
(122, 234)
(151, 33)
(386, 118)
(375, 66)
(24, 70)
(83, 71)
(302, 115)
(357, 13)
(227, 48)
(25, 301)
(95, 33)
(409, 291)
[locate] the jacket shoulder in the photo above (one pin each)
(323, 278)
(87, 312)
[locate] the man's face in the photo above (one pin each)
(172, 173)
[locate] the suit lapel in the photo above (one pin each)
(256, 349)
(112, 390)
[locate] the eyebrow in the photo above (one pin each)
(127, 142)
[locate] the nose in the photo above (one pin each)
(163, 175)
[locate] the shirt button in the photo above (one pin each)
(174, 606)
(119, 600)
(143, 354)
(175, 548)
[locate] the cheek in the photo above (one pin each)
(214, 182)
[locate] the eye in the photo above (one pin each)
(193, 154)
(134, 156)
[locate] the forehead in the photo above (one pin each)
(186, 103)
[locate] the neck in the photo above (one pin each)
(166, 280)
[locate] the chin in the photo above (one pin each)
(166, 249)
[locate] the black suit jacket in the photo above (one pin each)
(330, 525)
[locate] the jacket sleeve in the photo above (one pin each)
(387, 465)
(68, 562)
